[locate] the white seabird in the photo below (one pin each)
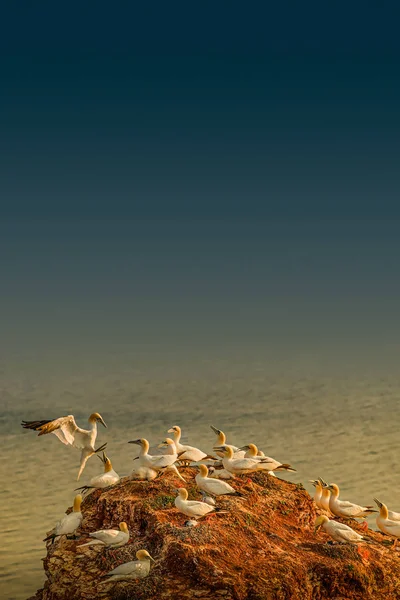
(338, 531)
(345, 509)
(70, 434)
(109, 477)
(69, 523)
(213, 486)
(214, 473)
(188, 453)
(386, 524)
(113, 538)
(207, 498)
(192, 508)
(238, 466)
(221, 441)
(392, 515)
(156, 463)
(318, 492)
(268, 463)
(135, 569)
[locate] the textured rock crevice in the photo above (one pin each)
(262, 548)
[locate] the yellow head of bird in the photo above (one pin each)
(124, 527)
(77, 503)
(319, 521)
(144, 555)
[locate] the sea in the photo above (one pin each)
(332, 416)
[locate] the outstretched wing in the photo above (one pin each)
(64, 428)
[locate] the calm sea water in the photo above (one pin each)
(339, 423)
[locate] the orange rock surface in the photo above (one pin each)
(262, 548)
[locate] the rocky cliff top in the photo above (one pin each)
(262, 548)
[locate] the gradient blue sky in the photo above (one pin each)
(194, 173)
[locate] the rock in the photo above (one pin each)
(262, 548)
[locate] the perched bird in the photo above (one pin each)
(214, 473)
(135, 569)
(207, 499)
(69, 523)
(239, 466)
(143, 473)
(109, 477)
(112, 538)
(192, 508)
(213, 486)
(70, 434)
(268, 463)
(318, 492)
(386, 524)
(325, 496)
(221, 441)
(392, 515)
(188, 453)
(345, 509)
(338, 531)
(156, 463)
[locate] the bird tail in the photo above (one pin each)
(91, 543)
(238, 494)
(285, 467)
(51, 537)
(209, 457)
(220, 510)
(84, 488)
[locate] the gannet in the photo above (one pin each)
(338, 531)
(113, 538)
(318, 492)
(144, 474)
(156, 463)
(345, 509)
(70, 434)
(325, 496)
(109, 477)
(268, 463)
(239, 466)
(207, 498)
(392, 515)
(192, 508)
(221, 441)
(219, 473)
(213, 486)
(135, 569)
(69, 523)
(386, 524)
(188, 453)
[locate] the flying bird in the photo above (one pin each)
(70, 434)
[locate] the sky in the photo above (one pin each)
(199, 174)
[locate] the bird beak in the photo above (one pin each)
(219, 448)
(162, 445)
(244, 448)
(102, 422)
(316, 528)
(215, 430)
(379, 504)
(152, 559)
(322, 482)
(138, 442)
(172, 430)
